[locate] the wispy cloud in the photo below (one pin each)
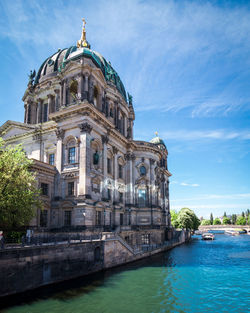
(187, 55)
(219, 134)
(236, 196)
(189, 185)
(217, 203)
(184, 184)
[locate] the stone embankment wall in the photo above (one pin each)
(27, 268)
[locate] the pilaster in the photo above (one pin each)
(115, 171)
(104, 164)
(57, 99)
(86, 86)
(84, 164)
(60, 136)
(64, 93)
(39, 110)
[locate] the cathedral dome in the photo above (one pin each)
(57, 62)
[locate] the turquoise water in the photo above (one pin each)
(201, 276)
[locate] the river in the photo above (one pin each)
(200, 276)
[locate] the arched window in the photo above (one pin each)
(95, 96)
(73, 87)
(142, 197)
(70, 150)
(143, 170)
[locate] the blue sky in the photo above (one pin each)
(187, 65)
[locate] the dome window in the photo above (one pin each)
(95, 96)
(50, 62)
(143, 170)
(73, 89)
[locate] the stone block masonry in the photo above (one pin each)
(27, 268)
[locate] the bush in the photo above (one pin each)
(205, 222)
(241, 220)
(217, 221)
(14, 236)
(226, 221)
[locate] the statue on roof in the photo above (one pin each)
(130, 99)
(31, 76)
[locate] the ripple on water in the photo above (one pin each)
(197, 277)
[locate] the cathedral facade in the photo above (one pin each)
(78, 129)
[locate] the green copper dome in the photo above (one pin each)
(57, 62)
(157, 141)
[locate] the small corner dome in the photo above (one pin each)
(158, 141)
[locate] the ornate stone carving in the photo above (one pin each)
(105, 139)
(85, 128)
(152, 161)
(129, 156)
(85, 113)
(37, 135)
(60, 133)
(115, 150)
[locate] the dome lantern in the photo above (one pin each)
(158, 141)
(82, 43)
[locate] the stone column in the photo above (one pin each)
(60, 136)
(26, 112)
(151, 194)
(117, 117)
(57, 99)
(115, 171)
(86, 86)
(151, 197)
(34, 115)
(104, 165)
(80, 87)
(50, 103)
(61, 95)
(39, 111)
(64, 92)
(84, 164)
(129, 157)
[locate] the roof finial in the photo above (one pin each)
(82, 43)
(156, 134)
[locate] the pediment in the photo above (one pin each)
(12, 129)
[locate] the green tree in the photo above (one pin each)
(205, 222)
(187, 219)
(226, 220)
(217, 221)
(241, 220)
(234, 218)
(18, 192)
(211, 219)
(225, 214)
(174, 216)
(243, 214)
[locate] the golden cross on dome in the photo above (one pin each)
(156, 134)
(84, 23)
(82, 43)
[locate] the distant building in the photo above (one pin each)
(78, 128)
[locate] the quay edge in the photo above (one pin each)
(27, 268)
